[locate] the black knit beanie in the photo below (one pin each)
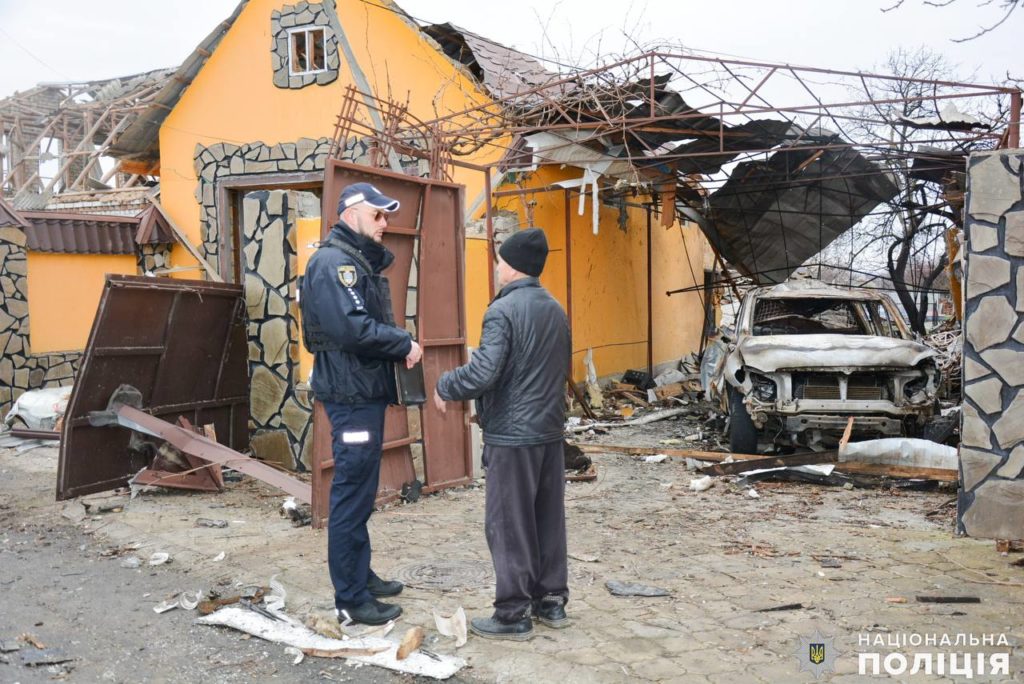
(526, 251)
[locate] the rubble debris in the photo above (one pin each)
(785, 606)
(947, 599)
(650, 418)
(655, 458)
(1009, 546)
(593, 390)
(411, 492)
(895, 599)
(453, 625)
(368, 650)
(39, 409)
(209, 522)
(34, 657)
(298, 655)
(639, 379)
(752, 493)
(735, 467)
(159, 558)
(701, 484)
(9, 646)
(131, 562)
(31, 640)
(584, 557)
(300, 514)
(207, 449)
(618, 588)
(411, 641)
(215, 602)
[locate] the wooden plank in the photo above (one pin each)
(876, 469)
(666, 391)
(182, 238)
(774, 462)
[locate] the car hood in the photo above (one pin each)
(770, 353)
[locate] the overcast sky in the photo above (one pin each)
(63, 40)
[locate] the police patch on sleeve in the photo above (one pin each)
(347, 275)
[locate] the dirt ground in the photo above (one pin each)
(854, 561)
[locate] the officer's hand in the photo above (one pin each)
(439, 403)
(415, 354)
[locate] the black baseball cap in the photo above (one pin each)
(365, 192)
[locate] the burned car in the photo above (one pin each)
(805, 357)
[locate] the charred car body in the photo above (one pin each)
(806, 356)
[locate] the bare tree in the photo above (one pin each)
(906, 236)
(1005, 7)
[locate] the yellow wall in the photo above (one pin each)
(60, 317)
(308, 233)
(609, 274)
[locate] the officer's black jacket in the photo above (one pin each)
(349, 328)
(518, 373)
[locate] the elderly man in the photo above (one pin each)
(347, 323)
(517, 375)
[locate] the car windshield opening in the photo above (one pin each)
(807, 317)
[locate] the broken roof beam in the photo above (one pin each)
(209, 450)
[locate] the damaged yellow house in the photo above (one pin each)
(241, 133)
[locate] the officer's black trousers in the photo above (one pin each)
(525, 525)
(357, 434)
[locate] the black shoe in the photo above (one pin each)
(378, 587)
(493, 628)
(551, 612)
(372, 612)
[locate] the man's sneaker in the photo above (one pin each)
(372, 612)
(378, 587)
(551, 612)
(493, 628)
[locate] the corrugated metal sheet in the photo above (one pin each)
(80, 233)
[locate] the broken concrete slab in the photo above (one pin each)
(618, 588)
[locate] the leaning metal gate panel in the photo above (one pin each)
(427, 232)
(182, 344)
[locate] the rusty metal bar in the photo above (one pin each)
(207, 449)
(489, 222)
(1013, 137)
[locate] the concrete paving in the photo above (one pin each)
(849, 557)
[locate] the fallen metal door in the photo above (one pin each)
(182, 344)
(427, 231)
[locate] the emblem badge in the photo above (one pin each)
(347, 275)
(817, 654)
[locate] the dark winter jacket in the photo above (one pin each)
(518, 373)
(347, 321)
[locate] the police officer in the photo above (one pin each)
(348, 324)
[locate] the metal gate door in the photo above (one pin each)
(427, 287)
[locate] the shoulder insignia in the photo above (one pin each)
(347, 275)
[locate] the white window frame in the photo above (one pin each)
(308, 30)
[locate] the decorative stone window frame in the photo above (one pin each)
(292, 19)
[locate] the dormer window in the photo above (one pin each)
(306, 51)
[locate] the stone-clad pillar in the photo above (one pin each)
(991, 501)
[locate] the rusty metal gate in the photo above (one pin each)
(182, 344)
(427, 286)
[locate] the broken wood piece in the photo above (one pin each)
(846, 434)
(589, 475)
(948, 599)
(895, 599)
(774, 462)
(410, 642)
(784, 606)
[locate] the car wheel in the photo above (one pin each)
(742, 432)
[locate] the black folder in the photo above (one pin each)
(412, 389)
